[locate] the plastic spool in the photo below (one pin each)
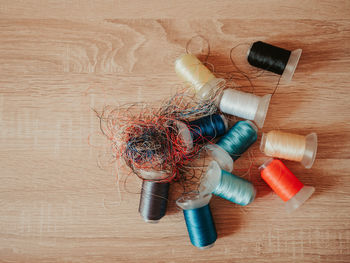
(299, 198)
(195, 200)
(310, 150)
(220, 156)
(233, 102)
(291, 65)
(212, 179)
(153, 200)
(189, 68)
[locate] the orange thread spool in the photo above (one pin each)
(281, 179)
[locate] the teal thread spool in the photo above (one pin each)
(199, 220)
(227, 185)
(239, 138)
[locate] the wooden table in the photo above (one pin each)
(60, 59)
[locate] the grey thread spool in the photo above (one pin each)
(154, 200)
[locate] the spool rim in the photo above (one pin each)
(225, 121)
(310, 150)
(219, 155)
(299, 198)
(150, 221)
(185, 134)
(193, 200)
(211, 179)
(262, 143)
(152, 174)
(207, 247)
(211, 88)
(266, 164)
(292, 64)
(261, 112)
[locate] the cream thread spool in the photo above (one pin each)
(189, 68)
(290, 146)
(245, 105)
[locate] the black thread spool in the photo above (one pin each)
(275, 59)
(154, 200)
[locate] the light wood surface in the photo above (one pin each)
(59, 59)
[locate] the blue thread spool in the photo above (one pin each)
(227, 185)
(208, 128)
(235, 142)
(199, 220)
(239, 138)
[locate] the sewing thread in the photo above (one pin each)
(189, 68)
(285, 184)
(208, 128)
(245, 105)
(199, 220)
(238, 139)
(290, 146)
(153, 200)
(274, 59)
(227, 185)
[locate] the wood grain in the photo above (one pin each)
(59, 59)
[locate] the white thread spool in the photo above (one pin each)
(245, 105)
(290, 146)
(189, 68)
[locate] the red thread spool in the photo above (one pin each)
(285, 184)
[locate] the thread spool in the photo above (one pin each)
(245, 105)
(285, 184)
(290, 146)
(199, 220)
(227, 185)
(239, 138)
(208, 128)
(189, 68)
(154, 200)
(275, 59)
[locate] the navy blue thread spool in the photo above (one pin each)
(199, 220)
(239, 138)
(208, 128)
(153, 200)
(226, 185)
(275, 59)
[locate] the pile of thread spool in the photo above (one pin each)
(223, 145)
